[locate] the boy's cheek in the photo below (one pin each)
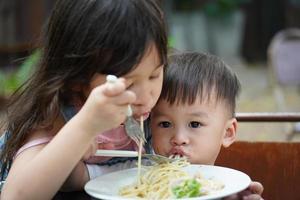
(160, 147)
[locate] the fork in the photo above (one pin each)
(159, 159)
(132, 127)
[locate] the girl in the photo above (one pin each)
(85, 41)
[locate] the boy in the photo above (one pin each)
(195, 114)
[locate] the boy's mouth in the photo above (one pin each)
(177, 152)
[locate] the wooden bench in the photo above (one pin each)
(274, 164)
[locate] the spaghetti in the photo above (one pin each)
(140, 151)
(169, 181)
(154, 184)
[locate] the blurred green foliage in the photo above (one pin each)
(211, 8)
(222, 8)
(11, 81)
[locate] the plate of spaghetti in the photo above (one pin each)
(176, 180)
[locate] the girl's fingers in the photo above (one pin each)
(116, 92)
(125, 98)
(113, 89)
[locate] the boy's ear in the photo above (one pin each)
(230, 132)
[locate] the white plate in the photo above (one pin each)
(107, 186)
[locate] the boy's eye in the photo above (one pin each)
(164, 124)
(194, 124)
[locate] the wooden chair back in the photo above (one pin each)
(274, 164)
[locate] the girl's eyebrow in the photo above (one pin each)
(157, 67)
(160, 65)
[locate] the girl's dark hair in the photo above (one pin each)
(83, 37)
(192, 74)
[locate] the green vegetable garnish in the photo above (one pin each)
(188, 188)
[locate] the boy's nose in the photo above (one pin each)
(179, 138)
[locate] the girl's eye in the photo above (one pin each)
(164, 124)
(154, 76)
(129, 85)
(194, 124)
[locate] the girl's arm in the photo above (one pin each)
(80, 174)
(39, 172)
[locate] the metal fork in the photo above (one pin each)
(159, 159)
(132, 127)
(124, 153)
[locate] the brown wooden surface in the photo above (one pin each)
(268, 117)
(276, 165)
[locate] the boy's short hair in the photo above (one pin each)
(193, 74)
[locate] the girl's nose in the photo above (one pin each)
(179, 138)
(143, 100)
(144, 96)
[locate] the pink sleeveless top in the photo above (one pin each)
(119, 140)
(32, 144)
(117, 137)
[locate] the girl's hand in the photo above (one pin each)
(106, 107)
(253, 192)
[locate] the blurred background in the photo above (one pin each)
(259, 39)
